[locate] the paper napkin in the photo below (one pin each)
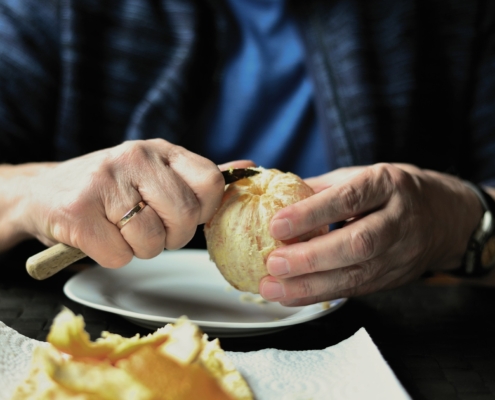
(352, 369)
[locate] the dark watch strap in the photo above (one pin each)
(486, 200)
(472, 265)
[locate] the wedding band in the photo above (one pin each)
(131, 213)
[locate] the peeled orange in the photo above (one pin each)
(238, 238)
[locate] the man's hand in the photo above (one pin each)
(80, 201)
(400, 222)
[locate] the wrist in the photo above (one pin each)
(458, 216)
(17, 183)
(479, 259)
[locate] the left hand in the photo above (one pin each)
(400, 222)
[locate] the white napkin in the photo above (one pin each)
(15, 355)
(352, 369)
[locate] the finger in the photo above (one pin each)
(177, 207)
(362, 240)
(324, 284)
(313, 285)
(101, 240)
(202, 177)
(145, 234)
(158, 184)
(237, 164)
(120, 199)
(391, 279)
(366, 191)
(324, 181)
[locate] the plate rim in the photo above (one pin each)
(293, 319)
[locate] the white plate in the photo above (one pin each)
(152, 293)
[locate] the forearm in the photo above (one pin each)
(15, 192)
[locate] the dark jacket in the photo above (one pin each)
(409, 81)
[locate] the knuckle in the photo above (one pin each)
(310, 261)
(347, 293)
(175, 153)
(155, 241)
(313, 216)
(137, 149)
(304, 288)
(355, 277)
(350, 199)
(392, 177)
(347, 280)
(189, 211)
(186, 211)
(81, 232)
(362, 244)
(159, 143)
(385, 170)
(123, 158)
(384, 174)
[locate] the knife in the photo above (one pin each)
(55, 258)
(234, 174)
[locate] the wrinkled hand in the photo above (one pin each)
(78, 202)
(400, 222)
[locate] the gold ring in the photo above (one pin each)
(131, 213)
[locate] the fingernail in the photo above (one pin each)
(272, 290)
(277, 266)
(280, 228)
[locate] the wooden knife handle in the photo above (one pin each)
(52, 260)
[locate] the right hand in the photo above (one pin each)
(79, 202)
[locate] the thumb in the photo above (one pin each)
(236, 164)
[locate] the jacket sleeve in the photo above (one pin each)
(29, 79)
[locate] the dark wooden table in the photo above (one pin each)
(437, 336)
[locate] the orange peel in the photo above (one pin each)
(175, 362)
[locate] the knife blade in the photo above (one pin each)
(234, 174)
(55, 258)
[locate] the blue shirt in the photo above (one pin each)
(265, 109)
(78, 76)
